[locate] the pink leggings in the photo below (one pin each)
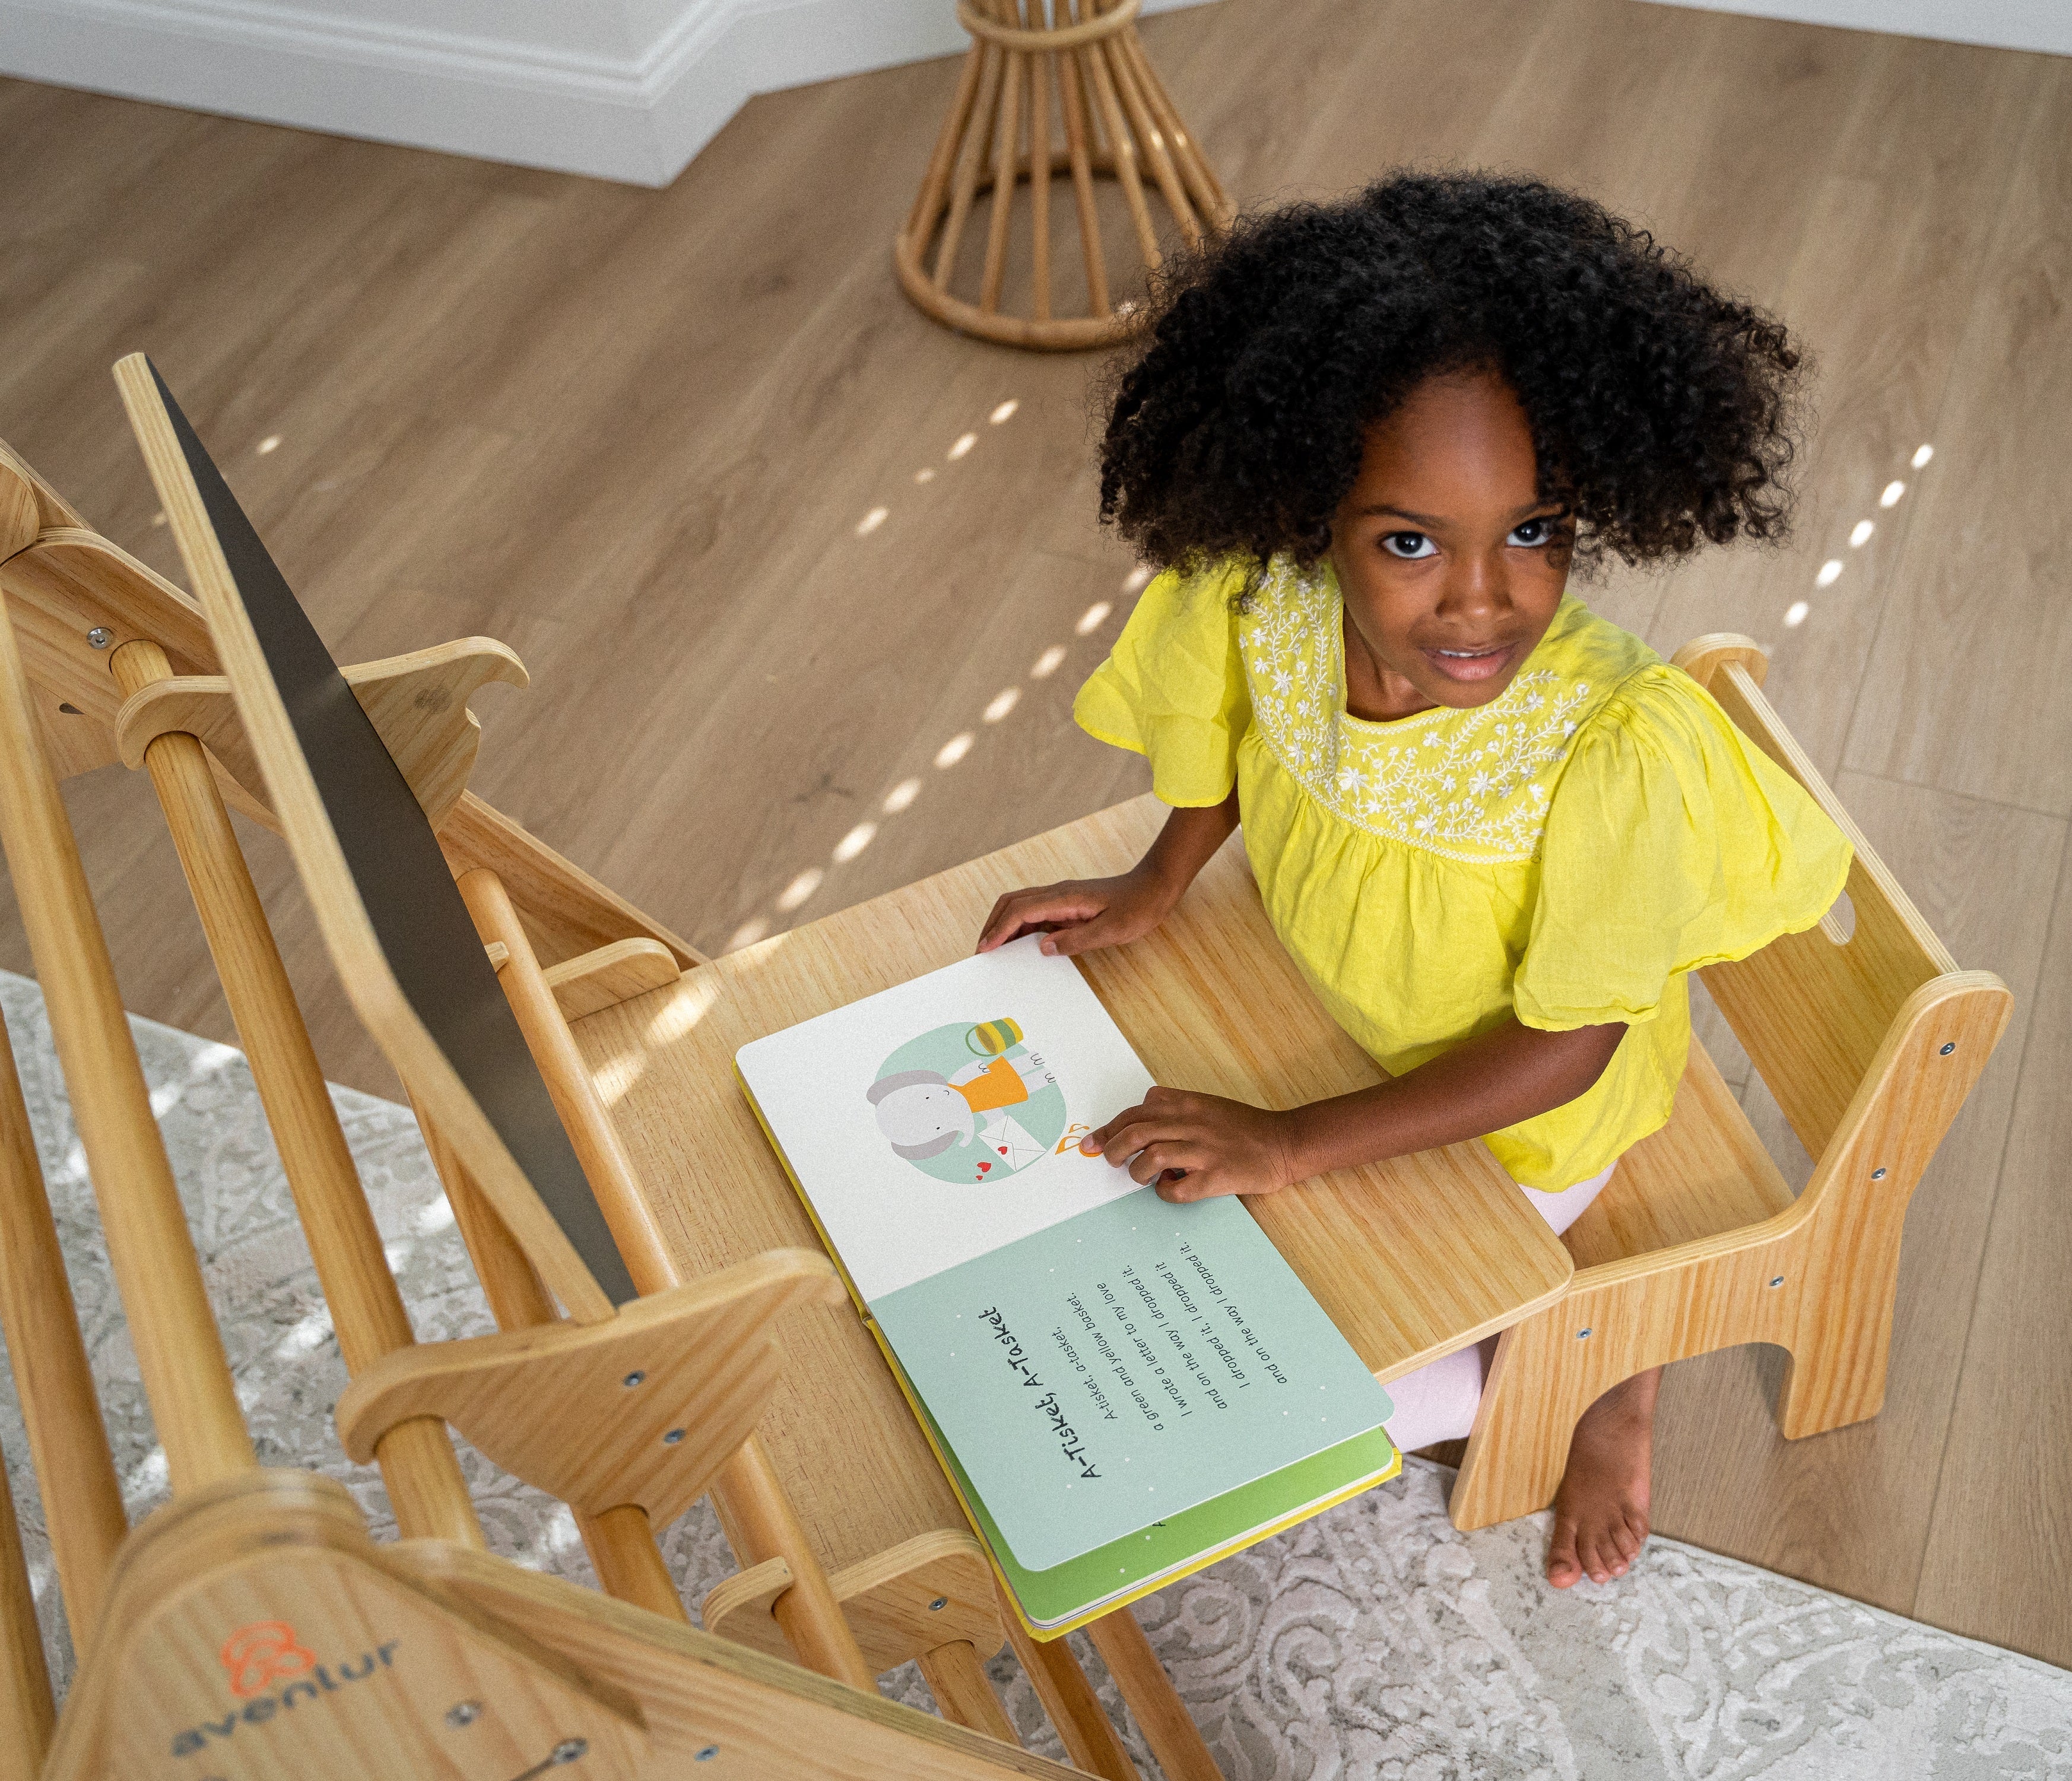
(1438, 1402)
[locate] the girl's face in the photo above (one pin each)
(1450, 563)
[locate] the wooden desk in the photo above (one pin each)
(1411, 1259)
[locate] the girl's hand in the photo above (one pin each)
(1205, 1145)
(1081, 914)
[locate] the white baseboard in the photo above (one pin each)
(635, 116)
(2002, 24)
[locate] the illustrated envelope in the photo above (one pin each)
(1009, 1141)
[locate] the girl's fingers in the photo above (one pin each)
(1086, 936)
(1127, 1137)
(1154, 1159)
(1022, 912)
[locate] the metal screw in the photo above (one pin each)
(938, 1604)
(1581, 1333)
(706, 1754)
(1778, 1281)
(672, 1437)
(569, 1749)
(463, 1713)
(1878, 1174)
(100, 636)
(1949, 1048)
(632, 1379)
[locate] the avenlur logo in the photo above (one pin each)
(261, 1653)
(257, 1656)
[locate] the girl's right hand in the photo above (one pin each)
(1081, 914)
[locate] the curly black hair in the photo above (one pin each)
(1663, 411)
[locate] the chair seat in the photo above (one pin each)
(1703, 1173)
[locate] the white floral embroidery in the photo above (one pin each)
(1471, 785)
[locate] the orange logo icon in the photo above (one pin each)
(261, 1653)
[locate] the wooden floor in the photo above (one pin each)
(676, 448)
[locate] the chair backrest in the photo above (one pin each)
(1812, 1009)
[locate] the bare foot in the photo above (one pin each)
(1600, 1512)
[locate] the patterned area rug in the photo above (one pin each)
(1372, 1641)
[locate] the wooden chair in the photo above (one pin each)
(1869, 1041)
(251, 1623)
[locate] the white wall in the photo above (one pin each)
(624, 89)
(2007, 24)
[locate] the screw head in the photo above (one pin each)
(1878, 1174)
(569, 1749)
(706, 1754)
(1581, 1334)
(100, 636)
(463, 1713)
(938, 1604)
(672, 1437)
(1778, 1281)
(1949, 1048)
(632, 1380)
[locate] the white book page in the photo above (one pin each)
(935, 1121)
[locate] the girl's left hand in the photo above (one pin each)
(1205, 1145)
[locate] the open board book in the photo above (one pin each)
(1121, 1390)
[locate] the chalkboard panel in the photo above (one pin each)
(403, 881)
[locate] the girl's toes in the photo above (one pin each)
(1563, 1568)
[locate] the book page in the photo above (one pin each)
(1101, 1374)
(940, 1120)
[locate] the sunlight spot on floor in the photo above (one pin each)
(955, 750)
(800, 888)
(1795, 614)
(1861, 535)
(1003, 702)
(965, 442)
(1048, 663)
(1831, 572)
(1893, 492)
(271, 442)
(1093, 618)
(925, 474)
(1921, 456)
(854, 842)
(902, 794)
(748, 933)
(1004, 411)
(1135, 581)
(872, 520)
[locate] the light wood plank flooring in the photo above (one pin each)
(806, 583)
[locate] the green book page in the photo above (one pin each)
(1123, 1366)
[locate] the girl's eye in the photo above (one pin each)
(1409, 545)
(1531, 534)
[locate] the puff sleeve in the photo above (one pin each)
(1173, 689)
(1672, 841)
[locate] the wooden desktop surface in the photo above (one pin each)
(1411, 1258)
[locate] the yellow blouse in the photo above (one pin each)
(1566, 852)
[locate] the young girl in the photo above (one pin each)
(1365, 443)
